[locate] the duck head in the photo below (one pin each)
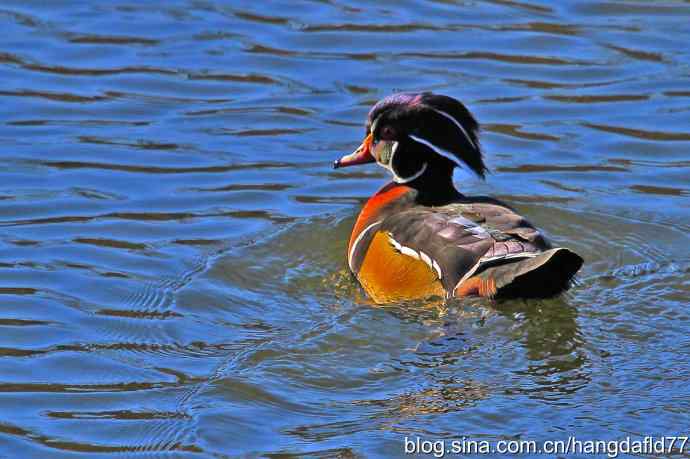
(419, 137)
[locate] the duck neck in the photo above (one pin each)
(435, 187)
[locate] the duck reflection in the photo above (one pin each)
(555, 360)
(479, 348)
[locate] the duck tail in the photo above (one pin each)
(545, 275)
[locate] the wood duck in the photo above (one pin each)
(419, 237)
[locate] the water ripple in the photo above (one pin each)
(172, 234)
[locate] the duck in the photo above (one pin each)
(419, 237)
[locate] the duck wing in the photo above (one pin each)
(462, 240)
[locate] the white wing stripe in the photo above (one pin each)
(417, 256)
(483, 261)
(426, 259)
(395, 243)
(409, 252)
(438, 269)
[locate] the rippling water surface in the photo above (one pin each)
(172, 236)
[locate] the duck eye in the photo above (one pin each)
(387, 133)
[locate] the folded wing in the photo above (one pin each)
(460, 239)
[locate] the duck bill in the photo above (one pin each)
(361, 155)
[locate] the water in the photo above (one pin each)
(172, 236)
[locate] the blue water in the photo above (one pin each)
(172, 236)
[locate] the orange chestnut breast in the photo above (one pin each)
(372, 208)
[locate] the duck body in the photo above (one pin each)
(419, 237)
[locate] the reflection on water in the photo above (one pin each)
(172, 237)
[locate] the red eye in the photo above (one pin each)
(388, 133)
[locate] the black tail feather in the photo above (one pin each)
(546, 275)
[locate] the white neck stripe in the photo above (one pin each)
(438, 150)
(399, 179)
(467, 136)
(396, 177)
